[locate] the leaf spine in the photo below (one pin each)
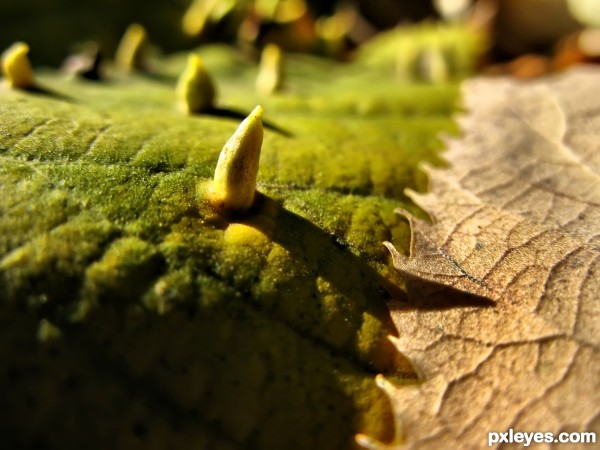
(270, 73)
(233, 188)
(129, 53)
(195, 89)
(16, 66)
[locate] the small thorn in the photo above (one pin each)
(195, 89)
(129, 53)
(16, 66)
(234, 184)
(270, 74)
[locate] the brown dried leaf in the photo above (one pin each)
(517, 228)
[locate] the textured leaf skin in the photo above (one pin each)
(135, 317)
(515, 221)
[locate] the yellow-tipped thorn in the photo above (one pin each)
(129, 53)
(270, 74)
(16, 66)
(195, 89)
(234, 185)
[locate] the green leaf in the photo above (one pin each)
(162, 323)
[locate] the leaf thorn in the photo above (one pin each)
(16, 66)
(233, 188)
(270, 74)
(195, 89)
(129, 53)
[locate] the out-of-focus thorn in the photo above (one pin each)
(203, 13)
(432, 66)
(87, 63)
(270, 73)
(129, 55)
(280, 11)
(196, 17)
(16, 66)
(335, 30)
(195, 89)
(249, 29)
(287, 23)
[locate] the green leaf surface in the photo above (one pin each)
(135, 317)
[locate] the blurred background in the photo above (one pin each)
(547, 32)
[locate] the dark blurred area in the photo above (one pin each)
(389, 13)
(543, 32)
(52, 28)
(382, 13)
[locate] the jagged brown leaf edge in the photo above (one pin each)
(503, 317)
